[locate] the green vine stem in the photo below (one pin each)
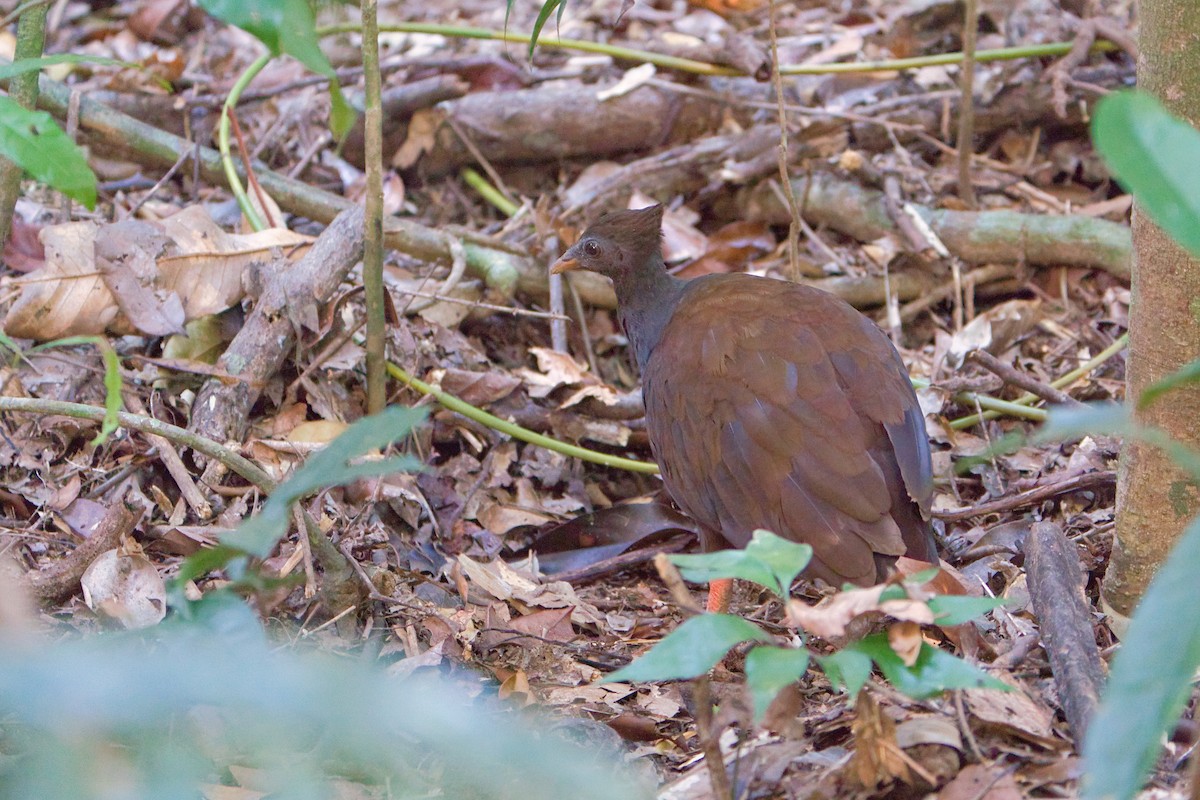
(235, 183)
(488, 192)
(993, 405)
(516, 431)
(703, 68)
(1024, 400)
(234, 461)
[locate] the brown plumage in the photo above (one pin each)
(770, 405)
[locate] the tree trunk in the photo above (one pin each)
(1155, 499)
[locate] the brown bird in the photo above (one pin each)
(770, 405)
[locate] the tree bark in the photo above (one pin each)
(1155, 499)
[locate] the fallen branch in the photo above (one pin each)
(977, 237)
(1056, 590)
(59, 581)
(221, 411)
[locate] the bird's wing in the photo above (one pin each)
(774, 410)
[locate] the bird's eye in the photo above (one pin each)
(591, 248)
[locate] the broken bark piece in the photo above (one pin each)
(289, 300)
(1056, 589)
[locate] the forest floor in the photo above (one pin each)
(563, 136)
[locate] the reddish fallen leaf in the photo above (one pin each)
(980, 782)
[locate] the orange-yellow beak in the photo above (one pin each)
(565, 263)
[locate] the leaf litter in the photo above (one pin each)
(448, 547)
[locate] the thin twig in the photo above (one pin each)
(1038, 494)
(966, 109)
(789, 194)
(1023, 380)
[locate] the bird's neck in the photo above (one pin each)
(645, 303)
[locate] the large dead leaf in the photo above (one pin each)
(207, 269)
(830, 617)
(123, 585)
(503, 582)
(66, 297)
(138, 276)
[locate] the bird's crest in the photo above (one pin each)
(636, 231)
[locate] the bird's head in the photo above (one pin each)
(617, 244)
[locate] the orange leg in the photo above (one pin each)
(719, 592)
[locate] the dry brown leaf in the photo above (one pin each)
(516, 687)
(267, 209)
(500, 518)
(831, 616)
(905, 640)
(67, 296)
(126, 254)
(207, 268)
(606, 694)
(405, 667)
(995, 329)
(928, 729)
(316, 431)
(553, 625)
(1015, 711)
(422, 134)
(555, 369)
(982, 782)
(476, 388)
(877, 758)
(501, 581)
(123, 585)
(139, 276)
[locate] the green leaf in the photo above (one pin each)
(707, 567)
(331, 466)
(1190, 373)
(542, 17)
(8, 343)
(1115, 419)
(1156, 156)
(934, 671)
(218, 613)
(770, 669)
(112, 379)
(923, 577)
(305, 721)
(691, 649)
(112, 390)
(768, 560)
(1150, 679)
(1090, 420)
(204, 561)
(949, 609)
(848, 668)
(33, 141)
(288, 27)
